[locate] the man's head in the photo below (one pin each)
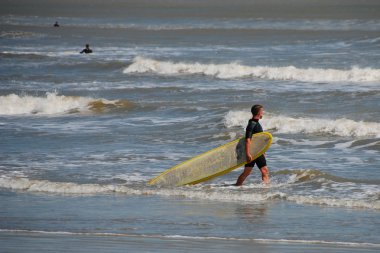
(257, 111)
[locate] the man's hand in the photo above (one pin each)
(249, 158)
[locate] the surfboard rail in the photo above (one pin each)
(234, 150)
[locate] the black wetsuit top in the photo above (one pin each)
(86, 51)
(253, 127)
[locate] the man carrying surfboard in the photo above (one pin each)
(254, 127)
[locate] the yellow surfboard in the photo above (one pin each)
(213, 163)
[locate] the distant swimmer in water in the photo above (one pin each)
(56, 24)
(87, 50)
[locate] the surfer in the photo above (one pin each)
(252, 128)
(87, 50)
(56, 24)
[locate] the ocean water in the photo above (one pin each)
(80, 135)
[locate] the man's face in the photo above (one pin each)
(261, 113)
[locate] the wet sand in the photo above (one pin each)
(24, 241)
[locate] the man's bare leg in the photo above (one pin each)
(243, 176)
(265, 174)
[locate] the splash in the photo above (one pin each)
(207, 192)
(237, 70)
(54, 104)
(289, 125)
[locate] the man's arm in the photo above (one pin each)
(248, 149)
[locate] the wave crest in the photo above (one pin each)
(53, 104)
(237, 70)
(289, 125)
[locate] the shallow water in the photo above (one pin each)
(82, 134)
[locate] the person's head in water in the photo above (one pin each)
(257, 111)
(87, 46)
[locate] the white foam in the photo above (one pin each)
(25, 184)
(237, 70)
(225, 194)
(335, 202)
(237, 118)
(50, 104)
(291, 125)
(132, 178)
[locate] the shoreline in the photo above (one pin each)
(45, 241)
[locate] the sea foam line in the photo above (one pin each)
(237, 70)
(184, 237)
(224, 195)
(291, 125)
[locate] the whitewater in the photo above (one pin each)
(283, 188)
(82, 134)
(293, 125)
(238, 70)
(53, 104)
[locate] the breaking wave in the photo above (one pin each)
(367, 198)
(53, 104)
(290, 125)
(237, 70)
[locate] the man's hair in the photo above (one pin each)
(256, 109)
